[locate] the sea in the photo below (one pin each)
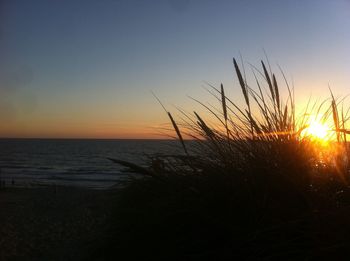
(74, 162)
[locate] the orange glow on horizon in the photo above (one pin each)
(82, 132)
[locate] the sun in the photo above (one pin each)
(317, 130)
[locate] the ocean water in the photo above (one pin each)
(32, 162)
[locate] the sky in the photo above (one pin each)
(86, 69)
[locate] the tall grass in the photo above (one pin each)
(266, 128)
(252, 176)
(261, 144)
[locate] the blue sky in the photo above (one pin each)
(86, 68)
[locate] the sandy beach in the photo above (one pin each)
(52, 223)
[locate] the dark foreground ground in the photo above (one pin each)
(151, 221)
(52, 223)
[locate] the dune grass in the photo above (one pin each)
(251, 185)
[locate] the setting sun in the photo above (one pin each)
(316, 129)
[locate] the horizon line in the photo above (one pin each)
(84, 138)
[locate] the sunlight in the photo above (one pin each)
(316, 130)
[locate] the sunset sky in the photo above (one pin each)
(86, 69)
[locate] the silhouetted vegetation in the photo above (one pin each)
(250, 186)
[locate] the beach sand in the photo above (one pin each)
(52, 223)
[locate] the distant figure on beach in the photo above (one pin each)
(158, 165)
